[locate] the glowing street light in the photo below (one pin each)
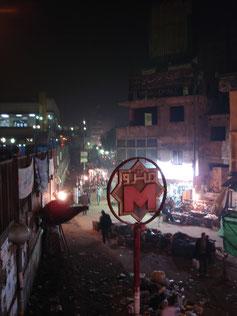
(12, 140)
(62, 195)
(3, 140)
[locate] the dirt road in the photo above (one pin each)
(97, 278)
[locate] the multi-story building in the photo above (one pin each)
(29, 124)
(177, 117)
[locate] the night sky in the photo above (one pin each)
(79, 53)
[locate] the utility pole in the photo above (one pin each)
(83, 150)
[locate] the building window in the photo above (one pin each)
(218, 133)
(131, 143)
(176, 114)
(151, 154)
(131, 153)
(121, 142)
(177, 157)
(141, 153)
(145, 116)
(141, 143)
(121, 154)
(151, 142)
(148, 119)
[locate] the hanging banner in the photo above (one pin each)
(25, 181)
(42, 174)
(51, 167)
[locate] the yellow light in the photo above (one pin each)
(62, 195)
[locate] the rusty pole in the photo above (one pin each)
(137, 231)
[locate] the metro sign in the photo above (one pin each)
(137, 191)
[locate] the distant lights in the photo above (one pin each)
(84, 122)
(84, 128)
(4, 115)
(34, 126)
(41, 118)
(38, 126)
(31, 115)
(3, 140)
(88, 143)
(72, 129)
(12, 140)
(18, 115)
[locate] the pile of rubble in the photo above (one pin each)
(157, 292)
(178, 244)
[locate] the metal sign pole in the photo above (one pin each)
(140, 186)
(137, 231)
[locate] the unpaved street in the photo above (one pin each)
(98, 280)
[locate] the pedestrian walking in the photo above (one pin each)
(84, 201)
(98, 194)
(79, 194)
(202, 253)
(105, 226)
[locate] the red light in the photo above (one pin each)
(62, 145)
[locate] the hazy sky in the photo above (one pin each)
(80, 54)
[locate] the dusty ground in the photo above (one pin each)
(96, 280)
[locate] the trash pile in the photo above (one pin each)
(196, 218)
(178, 244)
(158, 292)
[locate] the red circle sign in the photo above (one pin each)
(137, 190)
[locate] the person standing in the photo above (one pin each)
(98, 194)
(202, 253)
(171, 205)
(105, 226)
(84, 201)
(79, 194)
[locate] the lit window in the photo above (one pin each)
(177, 157)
